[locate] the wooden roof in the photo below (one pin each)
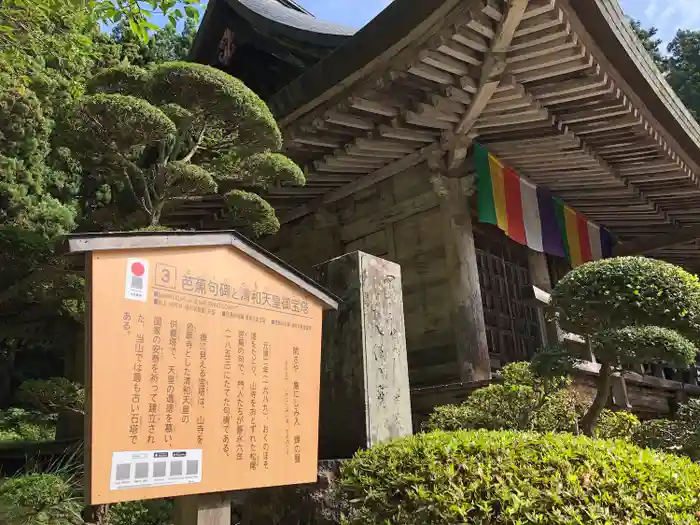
(563, 92)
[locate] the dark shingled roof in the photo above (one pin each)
(277, 13)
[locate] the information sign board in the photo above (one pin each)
(203, 374)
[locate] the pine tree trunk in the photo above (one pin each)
(603, 384)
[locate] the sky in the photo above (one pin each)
(666, 15)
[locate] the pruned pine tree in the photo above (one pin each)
(633, 311)
(179, 130)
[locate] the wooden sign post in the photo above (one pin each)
(203, 368)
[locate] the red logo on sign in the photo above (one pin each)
(137, 269)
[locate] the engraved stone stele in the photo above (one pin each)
(365, 397)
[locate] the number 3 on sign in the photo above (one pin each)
(166, 276)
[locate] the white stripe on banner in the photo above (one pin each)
(596, 247)
(531, 215)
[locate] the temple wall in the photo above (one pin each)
(399, 219)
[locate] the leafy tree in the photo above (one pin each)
(167, 44)
(136, 14)
(178, 130)
(650, 42)
(684, 69)
(633, 310)
(41, 307)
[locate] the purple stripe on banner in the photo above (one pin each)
(607, 242)
(551, 236)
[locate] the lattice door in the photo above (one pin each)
(511, 327)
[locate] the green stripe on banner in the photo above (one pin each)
(561, 222)
(484, 188)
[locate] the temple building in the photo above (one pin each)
(405, 126)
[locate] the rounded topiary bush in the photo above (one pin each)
(624, 291)
(487, 477)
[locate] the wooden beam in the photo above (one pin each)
(365, 181)
(491, 72)
(658, 242)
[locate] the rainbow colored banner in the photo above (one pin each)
(532, 216)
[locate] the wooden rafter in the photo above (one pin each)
(658, 242)
(492, 69)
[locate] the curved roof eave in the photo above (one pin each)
(274, 17)
(606, 24)
(399, 25)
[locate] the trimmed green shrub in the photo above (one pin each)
(625, 291)
(39, 499)
(522, 401)
(680, 435)
(617, 425)
(643, 344)
(494, 478)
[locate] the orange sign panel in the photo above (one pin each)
(203, 373)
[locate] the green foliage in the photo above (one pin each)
(680, 435)
(271, 169)
(125, 79)
(625, 291)
(17, 424)
(251, 213)
(39, 499)
(121, 120)
(643, 344)
(684, 69)
(52, 395)
(25, 202)
(496, 478)
(633, 310)
(651, 43)
(617, 425)
(185, 179)
(523, 401)
(24, 129)
(216, 95)
(528, 402)
(173, 131)
(149, 512)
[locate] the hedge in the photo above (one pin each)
(487, 477)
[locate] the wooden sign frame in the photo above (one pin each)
(277, 335)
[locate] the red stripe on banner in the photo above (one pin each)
(514, 206)
(584, 238)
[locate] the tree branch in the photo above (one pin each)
(197, 143)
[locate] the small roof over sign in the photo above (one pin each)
(103, 241)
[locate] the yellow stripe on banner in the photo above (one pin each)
(499, 192)
(573, 237)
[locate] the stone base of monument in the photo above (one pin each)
(310, 504)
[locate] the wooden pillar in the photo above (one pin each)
(619, 392)
(365, 396)
(467, 311)
(540, 277)
(203, 509)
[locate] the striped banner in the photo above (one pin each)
(532, 216)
